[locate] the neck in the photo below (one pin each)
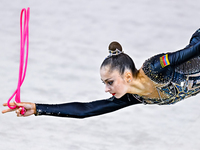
(140, 85)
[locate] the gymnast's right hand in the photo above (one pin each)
(29, 107)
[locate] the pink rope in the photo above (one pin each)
(24, 40)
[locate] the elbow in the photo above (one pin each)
(83, 116)
(79, 116)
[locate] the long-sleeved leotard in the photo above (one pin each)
(82, 110)
(177, 72)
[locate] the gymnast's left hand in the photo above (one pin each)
(29, 107)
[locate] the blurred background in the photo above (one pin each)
(68, 42)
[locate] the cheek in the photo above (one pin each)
(120, 86)
(120, 90)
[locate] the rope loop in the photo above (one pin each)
(24, 42)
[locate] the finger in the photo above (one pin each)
(20, 104)
(7, 110)
(11, 104)
(5, 104)
(18, 112)
(24, 104)
(28, 113)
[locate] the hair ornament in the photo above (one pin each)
(114, 53)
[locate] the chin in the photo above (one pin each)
(118, 96)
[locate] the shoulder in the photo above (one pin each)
(158, 68)
(127, 99)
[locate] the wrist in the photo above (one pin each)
(34, 108)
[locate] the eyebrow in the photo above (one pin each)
(106, 80)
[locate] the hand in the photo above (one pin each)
(29, 107)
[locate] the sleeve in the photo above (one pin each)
(174, 59)
(184, 55)
(83, 110)
(160, 68)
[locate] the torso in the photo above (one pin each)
(171, 77)
(170, 90)
(151, 88)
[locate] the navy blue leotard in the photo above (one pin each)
(177, 74)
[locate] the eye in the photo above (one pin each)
(110, 82)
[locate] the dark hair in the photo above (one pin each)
(120, 62)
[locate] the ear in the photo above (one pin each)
(128, 76)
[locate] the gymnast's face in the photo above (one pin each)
(114, 82)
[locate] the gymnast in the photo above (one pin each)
(163, 79)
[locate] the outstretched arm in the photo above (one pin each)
(184, 55)
(174, 59)
(190, 51)
(83, 110)
(76, 109)
(162, 63)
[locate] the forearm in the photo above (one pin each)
(75, 109)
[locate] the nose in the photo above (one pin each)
(107, 89)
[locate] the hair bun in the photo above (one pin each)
(114, 45)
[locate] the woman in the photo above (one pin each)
(163, 79)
